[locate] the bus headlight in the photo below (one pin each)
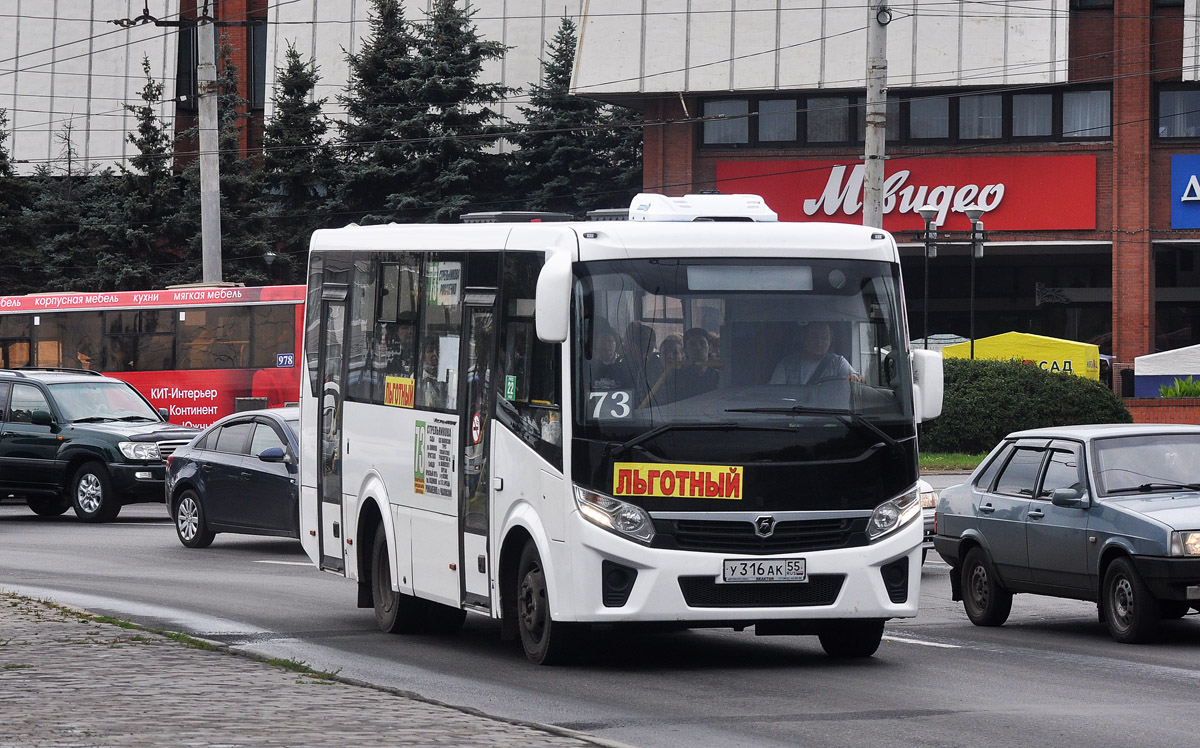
(139, 450)
(1185, 543)
(615, 516)
(893, 514)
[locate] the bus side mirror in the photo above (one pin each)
(553, 303)
(927, 384)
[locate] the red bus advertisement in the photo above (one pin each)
(194, 351)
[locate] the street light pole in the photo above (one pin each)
(929, 213)
(974, 213)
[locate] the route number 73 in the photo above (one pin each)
(615, 404)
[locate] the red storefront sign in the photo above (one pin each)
(1025, 193)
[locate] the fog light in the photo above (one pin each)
(143, 475)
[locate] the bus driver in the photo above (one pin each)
(813, 362)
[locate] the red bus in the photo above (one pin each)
(194, 351)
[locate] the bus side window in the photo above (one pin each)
(529, 385)
(437, 366)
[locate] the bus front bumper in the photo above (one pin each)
(617, 580)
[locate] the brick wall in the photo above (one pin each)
(1164, 410)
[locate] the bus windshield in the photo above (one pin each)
(666, 344)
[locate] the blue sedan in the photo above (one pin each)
(1107, 513)
(239, 475)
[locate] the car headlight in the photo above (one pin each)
(615, 516)
(893, 514)
(139, 450)
(928, 499)
(1185, 543)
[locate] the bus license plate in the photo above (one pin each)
(765, 570)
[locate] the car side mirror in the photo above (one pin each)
(166, 414)
(273, 454)
(1068, 497)
(41, 418)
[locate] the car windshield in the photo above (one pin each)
(102, 400)
(1147, 463)
(688, 344)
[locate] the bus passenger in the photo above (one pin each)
(644, 363)
(608, 372)
(433, 391)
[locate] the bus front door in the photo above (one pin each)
(329, 450)
(474, 492)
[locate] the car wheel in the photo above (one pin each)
(985, 601)
(546, 641)
(1130, 609)
(92, 495)
(48, 506)
(189, 521)
(395, 612)
(852, 638)
(1170, 609)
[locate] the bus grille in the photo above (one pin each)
(167, 448)
(704, 592)
(793, 536)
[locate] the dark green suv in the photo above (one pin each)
(78, 439)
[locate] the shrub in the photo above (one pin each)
(1181, 388)
(985, 400)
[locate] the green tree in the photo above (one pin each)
(72, 216)
(299, 169)
(16, 238)
(149, 237)
(422, 127)
(378, 103)
(244, 233)
(574, 154)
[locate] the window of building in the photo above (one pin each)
(1087, 114)
(1086, 4)
(256, 79)
(893, 118)
(731, 124)
(777, 120)
(828, 119)
(981, 117)
(1179, 114)
(929, 118)
(1032, 115)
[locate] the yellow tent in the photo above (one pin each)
(1051, 354)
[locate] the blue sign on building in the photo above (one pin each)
(1185, 191)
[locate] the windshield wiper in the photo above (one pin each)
(613, 447)
(1147, 487)
(848, 417)
(91, 419)
(136, 418)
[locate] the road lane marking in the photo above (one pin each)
(285, 563)
(903, 640)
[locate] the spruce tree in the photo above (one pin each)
(422, 127)
(299, 169)
(574, 154)
(378, 103)
(16, 242)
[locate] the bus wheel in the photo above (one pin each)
(395, 612)
(852, 638)
(92, 494)
(189, 522)
(546, 641)
(48, 506)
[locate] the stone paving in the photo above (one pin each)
(68, 678)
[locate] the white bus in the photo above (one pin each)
(564, 424)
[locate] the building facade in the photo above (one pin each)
(1074, 123)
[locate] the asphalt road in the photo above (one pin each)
(1051, 675)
